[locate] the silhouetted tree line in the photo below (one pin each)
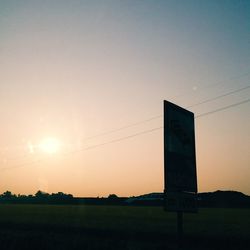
(212, 199)
(39, 197)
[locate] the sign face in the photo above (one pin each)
(177, 201)
(179, 150)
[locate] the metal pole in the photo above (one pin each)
(180, 228)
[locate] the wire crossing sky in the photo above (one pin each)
(78, 74)
(124, 138)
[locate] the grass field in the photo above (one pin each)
(114, 227)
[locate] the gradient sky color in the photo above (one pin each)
(75, 69)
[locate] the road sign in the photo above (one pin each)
(180, 181)
(179, 149)
(181, 202)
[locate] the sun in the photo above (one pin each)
(50, 145)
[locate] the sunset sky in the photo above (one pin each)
(82, 85)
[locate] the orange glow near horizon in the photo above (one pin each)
(77, 76)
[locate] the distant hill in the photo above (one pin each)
(210, 199)
(151, 199)
(223, 199)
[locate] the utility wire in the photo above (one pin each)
(124, 127)
(151, 118)
(117, 140)
(219, 96)
(196, 104)
(87, 148)
(235, 77)
(160, 116)
(130, 136)
(229, 79)
(223, 108)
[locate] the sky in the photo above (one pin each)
(91, 77)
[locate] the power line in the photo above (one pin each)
(22, 165)
(235, 77)
(119, 139)
(229, 79)
(160, 116)
(153, 118)
(219, 96)
(223, 108)
(87, 148)
(154, 129)
(124, 127)
(130, 136)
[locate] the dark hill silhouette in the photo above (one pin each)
(224, 199)
(218, 198)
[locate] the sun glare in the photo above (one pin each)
(50, 145)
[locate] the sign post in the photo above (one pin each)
(180, 179)
(180, 227)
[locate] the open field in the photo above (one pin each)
(119, 227)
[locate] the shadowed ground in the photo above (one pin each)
(117, 227)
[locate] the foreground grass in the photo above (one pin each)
(114, 227)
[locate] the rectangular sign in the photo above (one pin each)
(181, 201)
(179, 150)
